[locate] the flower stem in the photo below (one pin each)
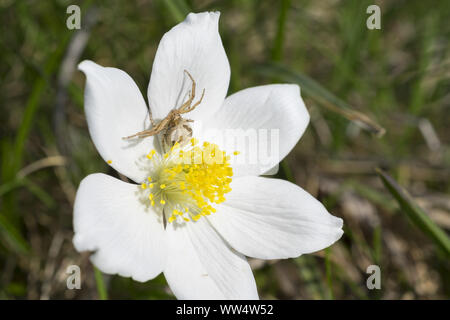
(101, 288)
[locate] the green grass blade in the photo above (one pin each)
(415, 213)
(40, 193)
(101, 288)
(178, 9)
(12, 236)
(277, 52)
(329, 275)
(10, 186)
(33, 103)
(320, 94)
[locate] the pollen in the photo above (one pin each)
(151, 154)
(194, 141)
(192, 178)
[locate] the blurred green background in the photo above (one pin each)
(357, 84)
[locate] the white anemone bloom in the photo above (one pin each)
(193, 222)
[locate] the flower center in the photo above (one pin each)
(185, 182)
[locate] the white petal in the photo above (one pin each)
(270, 218)
(200, 265)
(193, 45)
(115, 109)
(258, 113)
(110, 219)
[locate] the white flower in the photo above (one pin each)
(203, 258)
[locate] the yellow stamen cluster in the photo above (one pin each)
(186, 182)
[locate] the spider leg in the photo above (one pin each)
(150, 132)
(190, 108)
(193, 85)
(151, 117)
(143, 134)
(188, 103)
